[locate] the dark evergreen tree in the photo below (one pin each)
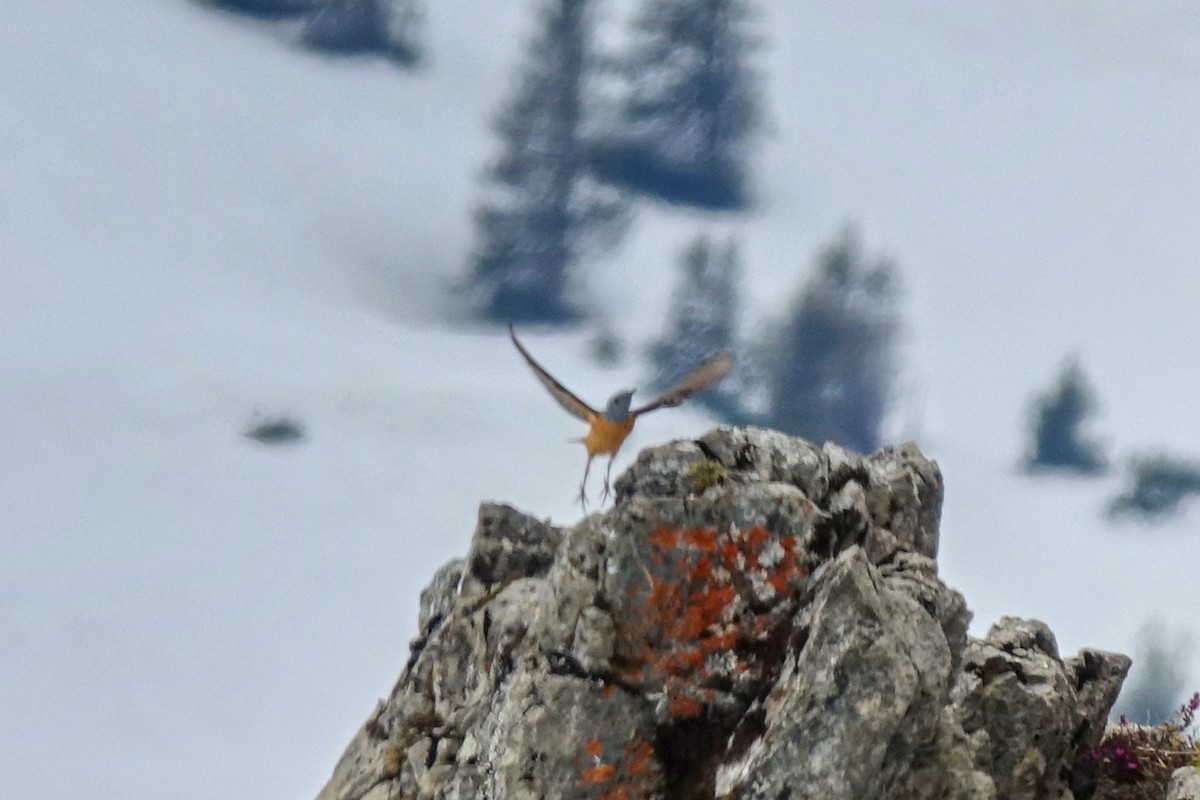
(269, 9)
(543, 211)
(691, 105)
(365, 26)
(1158, 680)
(830, 367)
(701, 321)
(1156, 486)
(1059, 441)
(390, 27)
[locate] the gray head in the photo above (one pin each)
(618, 406)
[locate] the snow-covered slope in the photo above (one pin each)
(198, 223)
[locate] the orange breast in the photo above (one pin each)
(606, 436)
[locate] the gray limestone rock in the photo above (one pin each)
(1184, 785)
(859, 704)
(756, 617)
(1034, 713)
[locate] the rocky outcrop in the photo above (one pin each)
(1184, 785)
(756, 617)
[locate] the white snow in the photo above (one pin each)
(199, 222)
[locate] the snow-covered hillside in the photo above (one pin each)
(199, 223)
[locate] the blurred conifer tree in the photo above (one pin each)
(830, 366)
(690, 108)
(1059, 417)
(542, 210)
(702, 320)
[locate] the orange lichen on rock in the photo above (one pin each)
(789, 568)
(706, 610)
(663, 538)
(681, 707)
(640, 760)
(707, 604)
(633, 772)
(597, 774)
(700, 538)
(617, 793)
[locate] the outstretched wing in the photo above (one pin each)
(562, 394)
(711, 370)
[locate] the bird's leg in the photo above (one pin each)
(607, 473)
(583, 484)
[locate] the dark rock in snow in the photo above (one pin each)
(275, 430)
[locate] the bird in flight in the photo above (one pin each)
(608, 429)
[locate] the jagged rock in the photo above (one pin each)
(1034, 711)
(757, 618)
(508, 545)
(859, 703)
(1184, 785)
